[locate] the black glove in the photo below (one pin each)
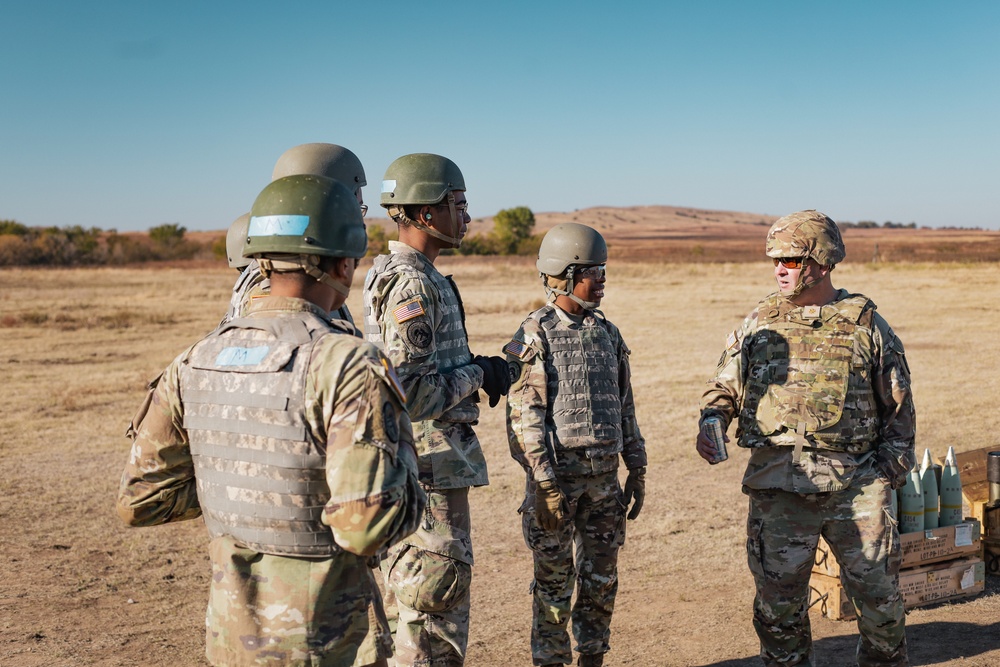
(496, 377)
(635, 489)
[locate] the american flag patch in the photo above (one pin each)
(731, 340)
(516, 348)
(394, 382)
(408, 311)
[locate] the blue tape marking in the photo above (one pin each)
(278, 225)
(241, 356)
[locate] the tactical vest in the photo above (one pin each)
(450, 339)
(261, 477)
(581, 369)
(809, 371)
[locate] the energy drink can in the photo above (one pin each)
(713, 428)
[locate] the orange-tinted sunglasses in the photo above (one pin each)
(790, 262)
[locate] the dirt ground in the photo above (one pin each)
(76, 347)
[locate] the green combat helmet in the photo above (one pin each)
(423, 179)
(236, 236)
(296, 220)
(806, 234)
(328, 160)
(566, 247)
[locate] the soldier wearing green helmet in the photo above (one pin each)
(415, 314)
(321, 159)
(819, 387)
(570, 421)
(290, 437)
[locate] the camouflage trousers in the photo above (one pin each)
(266, 610)
(582, 553)
(427, 580)
(783, 529)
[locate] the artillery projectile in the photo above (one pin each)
(951, 491)
(911, 504)
(928, 484)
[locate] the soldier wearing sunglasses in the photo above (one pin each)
(819, 387)
(570, 424)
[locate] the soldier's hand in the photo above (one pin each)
(706, 448)
(550, 505)
(496, 378)
(635, 490)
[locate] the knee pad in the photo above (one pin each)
(429, 582)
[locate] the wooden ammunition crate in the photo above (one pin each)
(923, 548)
(920, 586)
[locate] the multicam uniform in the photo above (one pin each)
(416, 315)
(292, 441)
(822, 397)
(252, 285)
(570, 415)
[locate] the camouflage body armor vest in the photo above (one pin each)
(581, 370)
(261, 477)
(809, 371)
(450, 339)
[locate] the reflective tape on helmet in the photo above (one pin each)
(278, 225)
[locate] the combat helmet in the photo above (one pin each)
(328, 160)
(807, 234)
(422, 179)
(566, 247)
(296, 220)
(236, 236)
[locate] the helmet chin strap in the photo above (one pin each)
(568, 292)
(801, 285)
(397, 213)
(307, 263)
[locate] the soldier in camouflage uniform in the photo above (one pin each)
(570, 416)
(328, 160)
(415, 314)
(820, 390)
(290, 437)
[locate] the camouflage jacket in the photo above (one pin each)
(415, 314)
(824, 451)
(530, 424)
(251, 285)
(354, 407)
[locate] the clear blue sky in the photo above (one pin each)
(131, 114)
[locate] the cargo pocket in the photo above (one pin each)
(428, 582)
(894, 557)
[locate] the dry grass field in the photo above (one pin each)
(77, 346)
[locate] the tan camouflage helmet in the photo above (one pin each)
(235, 238)
(328, 160)
(806, 234)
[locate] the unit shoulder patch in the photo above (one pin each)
(418, 335)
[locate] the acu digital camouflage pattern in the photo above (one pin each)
(252, 285)
(428, 576)
(805, 368)
(782, 532)
(571, 380)
(370, 463)
(806, 234)
(414, 313)
(582, 553)
(547, 380)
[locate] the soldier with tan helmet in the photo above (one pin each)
(818, 385)
(570, 419)
(290, 437)
(319, 159)
(415, 314)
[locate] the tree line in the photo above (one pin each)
(21, 245)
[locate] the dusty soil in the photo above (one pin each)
(76, 347)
